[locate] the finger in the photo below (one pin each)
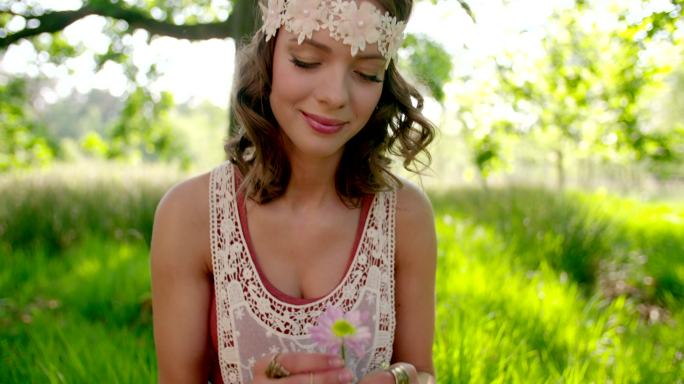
(310, 362)
(334, 376)
(408, 368)
(412, 371)
(301, 362)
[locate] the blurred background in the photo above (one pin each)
(557, 179)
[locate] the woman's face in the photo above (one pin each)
(321, 96)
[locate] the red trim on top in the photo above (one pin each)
(280, 295)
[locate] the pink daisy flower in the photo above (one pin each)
(338, 332)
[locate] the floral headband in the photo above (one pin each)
(354, 25)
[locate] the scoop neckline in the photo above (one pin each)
(270, 288)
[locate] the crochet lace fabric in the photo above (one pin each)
(252, 322)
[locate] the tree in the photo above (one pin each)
(587, 93)
(192, 20)
(22, 140)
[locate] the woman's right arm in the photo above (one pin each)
(181, 284)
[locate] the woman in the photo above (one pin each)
(306, 216)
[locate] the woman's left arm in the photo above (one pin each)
(415, 269)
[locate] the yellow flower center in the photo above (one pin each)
(343, 328)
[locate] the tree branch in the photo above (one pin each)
(49, 22)
(467, 9)
(56, 21)
(138, 19)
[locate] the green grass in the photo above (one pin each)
(74, 275)
(509, 312)
(533, 286)
(81, 316)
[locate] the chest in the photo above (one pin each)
(303, 255)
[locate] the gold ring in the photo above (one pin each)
(400, 374)
(275, 370)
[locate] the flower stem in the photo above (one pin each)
(343, 352)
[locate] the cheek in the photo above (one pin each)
(280, 84)
(286, 86)
(366, 99)
(280, 97)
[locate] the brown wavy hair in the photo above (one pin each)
(397, 127)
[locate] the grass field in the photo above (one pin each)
(533, 286)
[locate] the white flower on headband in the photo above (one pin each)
(359, 25)
(395, 36)
(272, 17)
(302, 18)
(336, 5)
(355, 25)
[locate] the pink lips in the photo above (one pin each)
(322, 124)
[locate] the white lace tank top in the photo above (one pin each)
(251, 321)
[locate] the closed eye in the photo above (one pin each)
(303, 64)
(308, 65)
(371, 78)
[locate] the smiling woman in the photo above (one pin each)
(255, 77)
(306, 216)
(320, 84)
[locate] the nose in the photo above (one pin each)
(332, 90)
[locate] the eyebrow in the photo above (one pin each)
(326, 49)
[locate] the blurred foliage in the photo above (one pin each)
(588, 94)
(23, 142)
(143, 128)
(429, 62)
(141, 131)
(56, 208)
(77, 114)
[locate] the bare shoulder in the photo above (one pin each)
(414, 210)
(188, 198)
(415, 225)
(182, 220)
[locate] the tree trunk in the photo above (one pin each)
(591, 172)
(245, 25)
(560, 169)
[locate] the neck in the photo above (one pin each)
(312, 181)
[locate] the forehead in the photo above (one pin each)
(322, 42)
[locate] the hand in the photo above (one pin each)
(304, 368)
(385, 377)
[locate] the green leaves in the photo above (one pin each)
(58, 50)
(143, 130)
(23, 142)
(429, 62)
(591, 90)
